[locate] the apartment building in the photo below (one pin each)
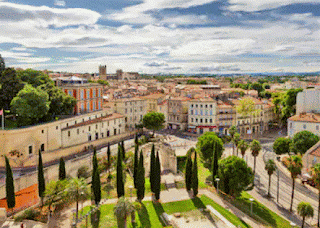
(304, 122)
(88, 95)
(308, 101)
(202, 115)
(132, 108)
(163, 108)
(153, 101)
(63, 133)
(226, 117)
(178, 113)
(253, 123)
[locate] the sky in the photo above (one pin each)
(161, 36)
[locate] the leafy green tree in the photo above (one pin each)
(31, 104)
(41, 180)
(60, 103)
(289, 104)
(10, 85)
(205, 145)
(83, 172)
(270, 167)
(303, 141)
(153, 121)
(294, 166)
(62, 169)
(157, 181)
(55, 193)
(152, 168)
(243, 146)
(76, 189)
(215, 165)
(10, 195)
(232, 132)
(120, 183)
(34, 77)
(316, 179)
(305, 210)
(188, 172)
(135, 165)
(122, 210)
(235, 175)
(195, 180)
(246, 108)
(255, 150)
(282, 145)
(141, 179)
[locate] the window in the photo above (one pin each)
(201, 113)
(96, 126)
(93, 93)
(97, 135)
(70, 92)
(206, 106)
(42, 147)
(82, 95)
(191, 112)
(210, 120)
(304, 126)
(57, 127)
(196, 112)
(192, 106)
(78, 131)
(201, 120)
(75, 122)
(101, 135)
(89, 128)
(30, 149)
(82, 120)
(68, 133)
(196, 106)
(210, 112)
(206, 120)
(210, 106)
(317, 127)
(88, 94)
(191, 120)
(200, 106)
(42, 131)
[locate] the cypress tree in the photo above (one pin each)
(214, 164)
(120, 184)
(11, 200)
(152, 169)
(108, 155)
(62, 169)
(195, 180)
(141, 180)
(123, 150)
(157, 181)
(188, 173)
(136, 139)
(94, 161)
(41, 181)
(96, 187)
(135, 165)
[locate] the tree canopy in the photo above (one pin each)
(282, 145)
(206, 142)
(303, 141)
(235, 176)
(154, 121)
(31, 104)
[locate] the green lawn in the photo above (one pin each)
(266, 215)
(149, 214)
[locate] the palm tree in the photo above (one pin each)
(77, 188)
(232, 131)
(305, 210)
(316, 178)
(122, 210)
(243, 146)
(270, 167)
(255, 149)
(236, 139)
(294, 166)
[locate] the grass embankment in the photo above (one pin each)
(149, 213)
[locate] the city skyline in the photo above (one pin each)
(203, 36)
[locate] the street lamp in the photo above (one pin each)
(278, 185)
(217, 180)
(131, 187)
(292, 224)
(251, 201)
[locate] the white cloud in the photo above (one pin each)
(44, 16)
(186, 19)
(138, 13)
(257, 5)
(33, 60)
(60, 3)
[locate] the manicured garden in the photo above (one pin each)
(148, 213)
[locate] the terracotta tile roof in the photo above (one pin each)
(97, 120)
(153, 96)
(315, 150)
(306, 117)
